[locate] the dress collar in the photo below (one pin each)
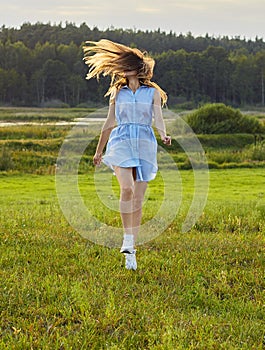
(127, 87)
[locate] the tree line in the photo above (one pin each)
(43, 62)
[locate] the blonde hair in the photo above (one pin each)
(108, 58)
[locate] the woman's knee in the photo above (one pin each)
(126, 192)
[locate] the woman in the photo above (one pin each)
(131, 146)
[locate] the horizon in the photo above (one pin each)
(232, 18)
(135, 30)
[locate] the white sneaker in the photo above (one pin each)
(130, 261)
(128, 244)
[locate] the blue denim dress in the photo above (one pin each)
(132, 143)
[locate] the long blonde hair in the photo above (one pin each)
(108, 58)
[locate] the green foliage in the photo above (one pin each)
(155, 41)
(34, 148)
(45, 62)
(54, 104)
(32, 132)
(217, 118)
(6, 162)
(226, 141)
(256, 152)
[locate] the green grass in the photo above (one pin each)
(33, 148)
(203, 289)
(43, 115)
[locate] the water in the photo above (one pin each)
(79, 121)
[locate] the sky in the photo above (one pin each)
(244, 18)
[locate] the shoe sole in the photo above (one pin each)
(126, 251)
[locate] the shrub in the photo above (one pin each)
(54, 104)
(225, 157)
(217, 118)
(6, 162)
(256, 152)
(223, 141)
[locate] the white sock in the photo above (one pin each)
(128, 238)
(128, 242)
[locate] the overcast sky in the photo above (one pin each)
(244, 18)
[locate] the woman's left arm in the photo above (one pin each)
(158, 119)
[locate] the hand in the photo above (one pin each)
(166, 140)
(97, 159)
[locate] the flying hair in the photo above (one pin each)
(112, 59)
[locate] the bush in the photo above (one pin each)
(256, 152)
(217, 118)
(54, 104)
(225, 157)
(224, 141)
(6, 162)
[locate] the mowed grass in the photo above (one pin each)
(203, 289)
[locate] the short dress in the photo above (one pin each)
(133, 143)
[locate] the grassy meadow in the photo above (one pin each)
(202, 289)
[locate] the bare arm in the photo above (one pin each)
(158, 119)
(105, 132)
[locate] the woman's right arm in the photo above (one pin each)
(104, 135)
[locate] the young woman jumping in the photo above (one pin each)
(131, 151)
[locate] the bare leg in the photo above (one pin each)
(131, 199)
(139, 192)
(126, 182)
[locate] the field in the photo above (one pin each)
(201, 289)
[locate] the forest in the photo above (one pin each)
(42, 65)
